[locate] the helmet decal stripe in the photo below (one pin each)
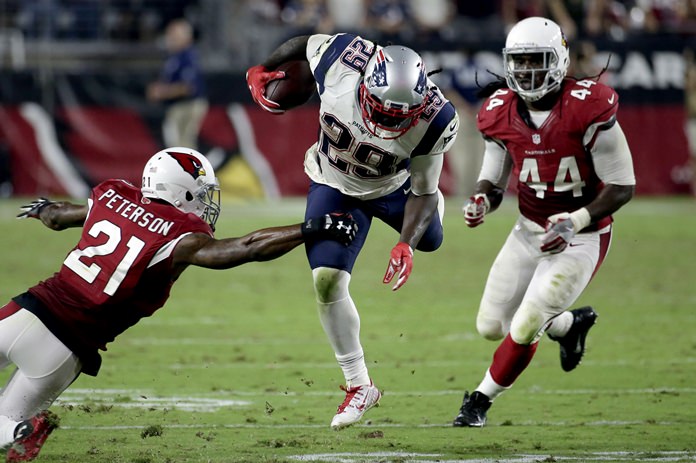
(379, 73)
(422, 81)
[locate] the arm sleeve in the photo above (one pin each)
(612, 157)
(496, 166)
(425, 174)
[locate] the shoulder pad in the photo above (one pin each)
(494, 108)
(592, 102)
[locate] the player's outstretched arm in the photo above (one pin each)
(262, 245)
(55, 215)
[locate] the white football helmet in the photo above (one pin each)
(393, 92)
(185, 179)
(535, 58)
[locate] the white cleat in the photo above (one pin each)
(359, 399)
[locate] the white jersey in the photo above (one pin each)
(347, 156)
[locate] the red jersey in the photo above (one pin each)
(119, 272)
(552, 163)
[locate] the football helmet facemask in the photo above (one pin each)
(185, 179)
(393, 93)
(535, 58)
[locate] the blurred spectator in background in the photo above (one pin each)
(617, 19)
(347, 15)
(180, 87)
(514, 10)
(686, 14)
(432, 18)
(306, 17)
(37, 18)
(390, 19)
(584, 62)
(690, 110)
(466, 155)
(478, 20)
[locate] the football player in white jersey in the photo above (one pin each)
(560, 138)
(385, 128)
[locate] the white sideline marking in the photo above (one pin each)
(364, 426)
(522, 458)
(144, 399)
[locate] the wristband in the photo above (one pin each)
(580, 218)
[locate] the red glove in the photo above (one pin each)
(257, 78)
(401, 261)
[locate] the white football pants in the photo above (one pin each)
(527, 288)
(45, 367)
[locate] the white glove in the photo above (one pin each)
(475, 208)
(561, 228)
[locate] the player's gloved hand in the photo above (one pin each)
(33, 209)
(475, 208)
(401, 261)
(561, 228)
(257, 77)
(338, 226)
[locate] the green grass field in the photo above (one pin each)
(236, 368)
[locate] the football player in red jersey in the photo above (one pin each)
(559, 139)
(136, 242)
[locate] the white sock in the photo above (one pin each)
(7, 429)
(560, 324)
(354, 368)
(490, 387)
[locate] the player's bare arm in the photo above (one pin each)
(204, 251)
(614, 165)
(261, 245)
(55, 215)
(610, 200)
(292, 49)
(419, 213)
(419, 209)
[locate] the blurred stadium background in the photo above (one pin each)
(73, 75)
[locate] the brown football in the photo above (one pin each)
(296, 88)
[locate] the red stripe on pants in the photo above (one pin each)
(9, 309)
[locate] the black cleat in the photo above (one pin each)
(473, 410)
(573, 343)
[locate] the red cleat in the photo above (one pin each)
(28, 447)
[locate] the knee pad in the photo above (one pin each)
(527, 324)
(330, 284)
(490, 328)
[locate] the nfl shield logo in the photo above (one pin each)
(536, 138)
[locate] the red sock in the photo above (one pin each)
(510, 360)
